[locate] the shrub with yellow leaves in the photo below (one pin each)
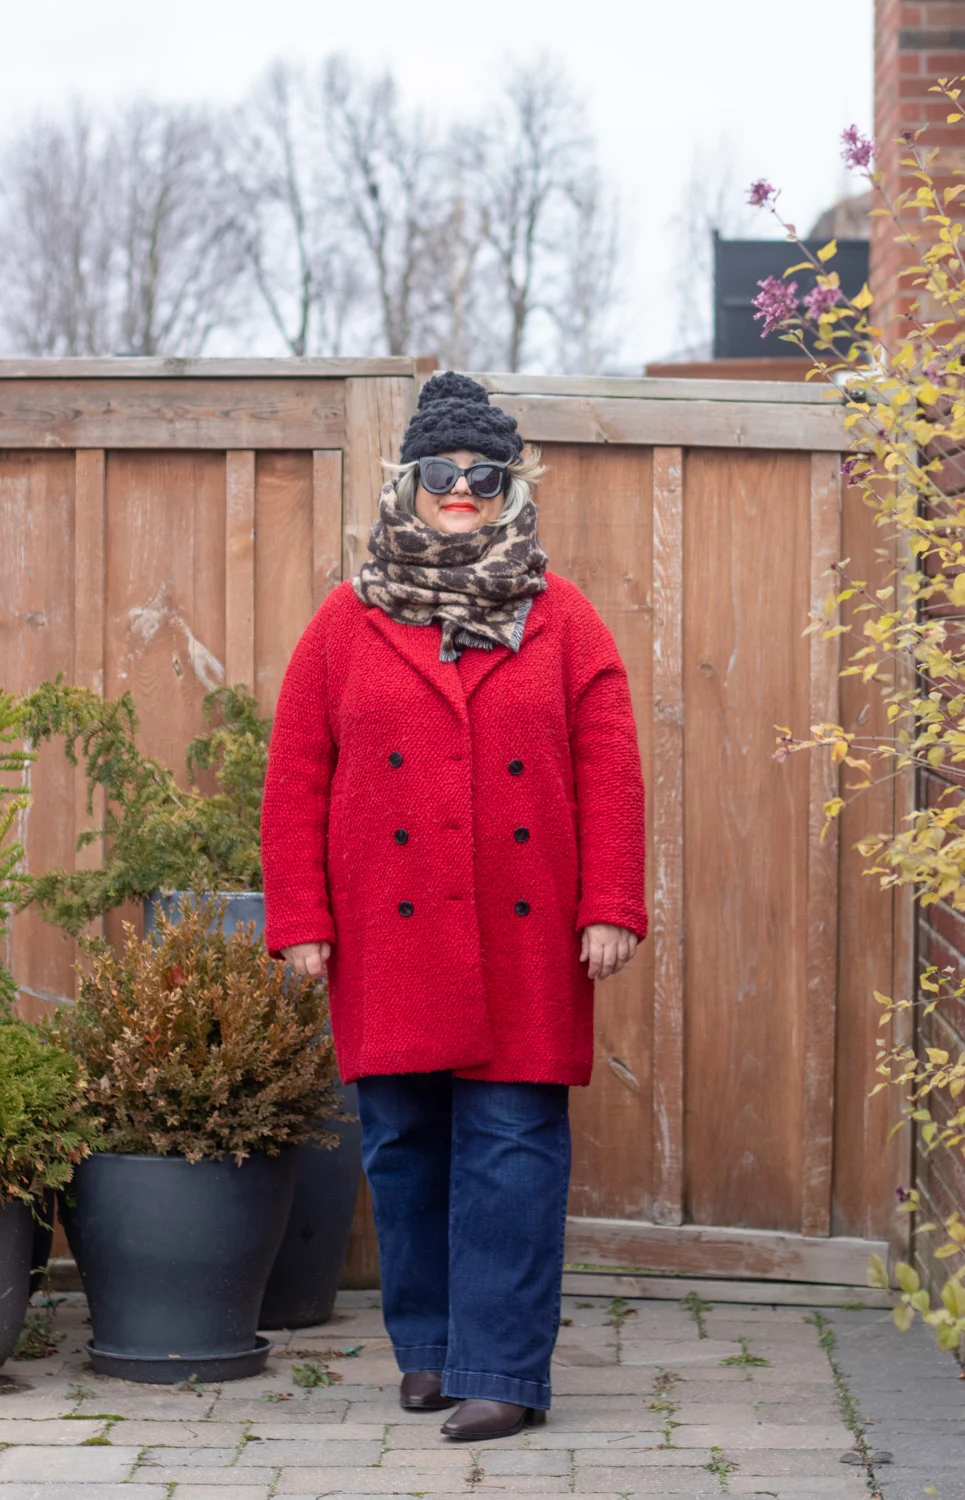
(904, 401)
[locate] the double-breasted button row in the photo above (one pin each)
(396, 759)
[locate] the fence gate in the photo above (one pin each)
(169, 525)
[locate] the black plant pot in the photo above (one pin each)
(43, 1239)
(174, 1259)
(303, 1283)
(304, 1279)
(16, 1243)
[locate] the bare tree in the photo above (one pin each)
(294, 231)
(549, 247)
(392, 204)
(55, 245)
(588, 291)
(711, 199)
(113, 237)
(177, 241)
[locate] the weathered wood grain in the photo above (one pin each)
(868, 1165)
(90, 541)
(724, 1289)
(240, 567)
(376, 413)
(37, 640)
(284, 565)
(688, 423)
(326, 523)
(692, 1249)
(170, 367)
(661, 388)
(821, 955)
(168, 414)
(746, 588)
(595, 512)
(667, 816)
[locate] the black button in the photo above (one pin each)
(515, 768)
(521, 835)
(401, 837)
(521, 908)
(406, 908)
(395, 759)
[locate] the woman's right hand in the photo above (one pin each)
(308, 958)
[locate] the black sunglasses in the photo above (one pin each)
(486, 479)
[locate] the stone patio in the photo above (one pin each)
(650, 1398)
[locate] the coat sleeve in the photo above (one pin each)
(294, 817)
(608, 779)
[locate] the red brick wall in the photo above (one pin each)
(914, 46)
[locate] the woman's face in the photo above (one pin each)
(460, 510)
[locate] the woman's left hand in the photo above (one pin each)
(608, 949)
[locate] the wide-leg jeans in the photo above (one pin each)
(469, 1184)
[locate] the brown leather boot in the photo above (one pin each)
(474, 1421)
(421, 1390)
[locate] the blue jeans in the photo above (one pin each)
(469, 1183)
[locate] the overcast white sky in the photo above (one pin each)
(662, 80)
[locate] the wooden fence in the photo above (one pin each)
(170, 525)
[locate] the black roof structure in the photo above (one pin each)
(740, 264)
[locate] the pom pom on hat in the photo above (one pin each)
(455, 412)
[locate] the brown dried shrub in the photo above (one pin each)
(196, 1043)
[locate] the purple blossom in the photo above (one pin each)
(820, 300)
(902, 1194)
(760, 193)
(848, 466)
(776, 301)
(858, 150)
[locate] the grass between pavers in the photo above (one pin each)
(846, 1399)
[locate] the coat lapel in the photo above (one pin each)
(475, 666)
(419, 646)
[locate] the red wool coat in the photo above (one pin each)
(450, 828)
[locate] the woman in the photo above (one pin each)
(454, 823)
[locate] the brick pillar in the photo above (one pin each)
(914, 46)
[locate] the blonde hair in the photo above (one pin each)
(525, 474)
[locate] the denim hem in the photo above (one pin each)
(415, 1359)
(469, 1385)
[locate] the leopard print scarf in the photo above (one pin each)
(479, 585)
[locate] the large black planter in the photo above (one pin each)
(304, 1280)
(174, 1259)
(16, 1244)
(303, 1283)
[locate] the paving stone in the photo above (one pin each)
(60, 1491)
(553, 1436)
(162, 1434)
(188, 1474)
(199, 1458)
(719, 1413)
(273, 1454)
(221, 1492)
(322, 1432)
(521, 1461)
(693, 1482)
(444, 1456)
(67, 1465)
(617, 1380)
(122, 1399)
(362, 1481)
(518, 1484)
(834, 1487)
(35, 1404)
(47, 1431)
(773, 1436)
(787, 1462)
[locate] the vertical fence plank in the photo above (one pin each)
(376, 413)
(326, 522)
(240, 567)
(668, 836)
(822, 868)
(89, 601)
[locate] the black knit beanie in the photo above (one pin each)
(454, 412)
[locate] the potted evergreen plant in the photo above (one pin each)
(207, 1064)
(162, 840)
